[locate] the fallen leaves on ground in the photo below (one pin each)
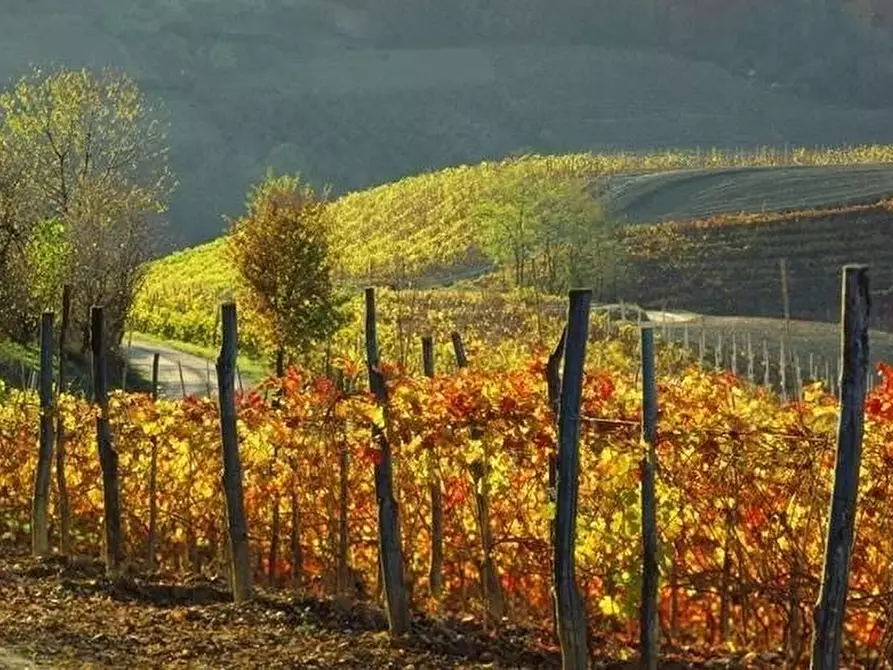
(65, 614)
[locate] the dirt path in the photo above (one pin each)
(199, 376)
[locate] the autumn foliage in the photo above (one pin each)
(743, 490)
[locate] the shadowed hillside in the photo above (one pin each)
(358, 96)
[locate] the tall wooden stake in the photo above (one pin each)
(40, 537)
(153, 475)
(829, 611)
(435, 574)
(572, 628)
(61, 482)
(108, 457)
(390, 552)
(648, 621)
(232, 462)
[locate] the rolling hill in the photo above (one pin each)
(347, 94)
(426, 228)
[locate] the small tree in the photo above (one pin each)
(281, 248)
(91, 155)
(17, 216)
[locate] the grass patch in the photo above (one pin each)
(18, 362)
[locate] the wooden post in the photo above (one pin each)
(717, 353)
(182, 379)
(553, 384)
(61, 481)
(232, 463)
(685, 337)
(767, 376)
(435, 574)
(390, 552)
(785, 299)
(208, 381)
(648, 621)
(297, 554)
(239, 378)
(829, 385)
(782, 371)
(751, 363)
(459, 350)
(798, 377)
(108, 457)
(572, 626)
(490, 585)
(153, 475)
(343, 574)
(830, 608)
(40, 537)
(702, 346)
(735, 354)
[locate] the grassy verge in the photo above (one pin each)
(252, 368)
(17, 363)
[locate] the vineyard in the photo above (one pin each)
(730, 264)
(743, 489)
(433, 229)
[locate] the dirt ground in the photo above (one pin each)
(64, 614)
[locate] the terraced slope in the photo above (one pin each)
(700, 194)
(730, 264)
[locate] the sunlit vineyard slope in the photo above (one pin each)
(431, 228)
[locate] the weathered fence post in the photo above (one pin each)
(153, 475)
(572, 625)
(798, 377)
(40, 536)
(232, 462)
(182, 378)
(553, 384)
(782, 371)
(459, 350)
(435, 574)
(702, 345)
(829, 611)
(751, 363)
(343, 569)
(648, 621)
(61, 482)
(490, 586)
(108, 457)
(767, 375)
(390, 552)
(734, 361)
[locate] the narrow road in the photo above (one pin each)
(178, 372)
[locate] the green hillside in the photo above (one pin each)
(433, 230)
